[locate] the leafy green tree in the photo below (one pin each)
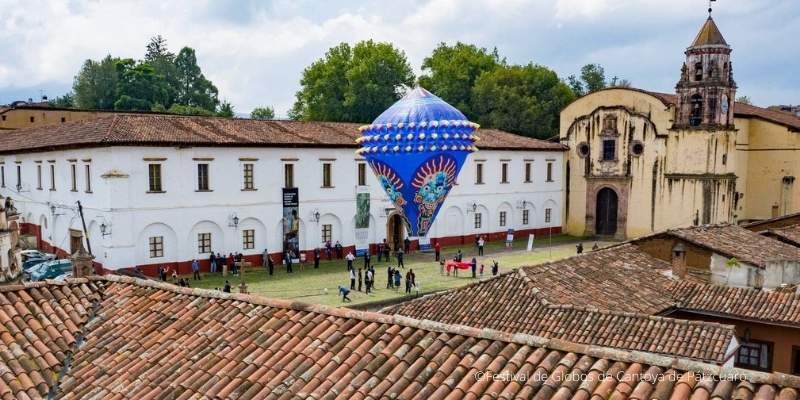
(744, 100)
(521, 99)
(163, 63)
(352, 84)
(593, 77)
(95, 86)
(183, 110)
(263, 113)
(451, 71)
(193, 89)
(139, 87)
(225, 110)
(65, 101)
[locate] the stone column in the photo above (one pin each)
(82, 264)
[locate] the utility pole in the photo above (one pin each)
(85, 233)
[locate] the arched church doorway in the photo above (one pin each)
(606, 213)
(395, 231)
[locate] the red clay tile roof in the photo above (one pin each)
(773, 306)
(784, 220)
(735, 241)
(570, 300)
(173, 130)
(153, 340)
(788, 234)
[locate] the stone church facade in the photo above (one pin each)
(641, 161)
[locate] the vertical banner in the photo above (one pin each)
(362, 220)
(291, 223)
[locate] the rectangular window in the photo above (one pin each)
(73, 177)
(478, 220)
(88, 170)
(795, 360)
(247, 170)
(504, 173)
(156, 246)
(288, 175)
(609, 150)
(39, 177)
(362, 174)
(547, 213)
(754, 355)
(527, 172)
(154, 177)
(2, 176)
(202, 177)
(326, 175)
(479, 173)
(502, 218)
(327, 233)
(52, 177)
(19, 177)
(249, 239)
(525, 217)
(203, 243)
(549, 171)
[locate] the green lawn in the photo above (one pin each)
(320, 285)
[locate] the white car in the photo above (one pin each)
(26, 254)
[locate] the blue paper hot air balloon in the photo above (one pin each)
(416, 148)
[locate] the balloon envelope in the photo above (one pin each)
(416, 148)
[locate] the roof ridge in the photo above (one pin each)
(638, 315)
(660, 360)
(37, 284)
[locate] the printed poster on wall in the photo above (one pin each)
(291, 223)
(362, 220)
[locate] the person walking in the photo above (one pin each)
(408, 282)
(328, 249)
(220, 263)
(579, 248)
(343, 291)
(495, 268)
(338, 248)
(366, 260)
(380, 251)
(369, 279)
(352, 279)
(195, 270)
(438, 249)
(264, 258)
(441, 268)
(400, 259)
(350, 258)
(360, 279)
(270, 265)
(481, 271)
(212, 260)
(287, 259)
(386, 250)
(413, 277)
(389, 277)
(317, 256)
(474, 267)
(407, 245)
(232, 263)
(459, 256)
(397, 278)
(227, 287)
(481, 242)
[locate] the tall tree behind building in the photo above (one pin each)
(451, 71)
(352, 84)
(95, 86)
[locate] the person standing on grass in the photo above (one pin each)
(360, 279)
(407, 245)
(338, 248)
(390, 276)
(328, 249)
(474, 267)
(195, 269)
(400, 259)
(380, 251)
(481, 271)
(270, 265)
(264, 257)
(287, 259)
(481, 242)
(413, 277)
(352, 279)
(386, 250)
(441, 268)
(368, 282)
(408, 282)
(317, 256)
(366, 260)
(350, 258)
(212, 260)
(397, 279)
(220, 263)
(438, 249)
(232, 263)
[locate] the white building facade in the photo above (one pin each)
(153, 205)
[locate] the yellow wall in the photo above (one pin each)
(21, 117)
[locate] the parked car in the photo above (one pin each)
(31, 262)
(49, 270)
(27, 254)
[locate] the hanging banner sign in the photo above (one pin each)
(362, 220)
(291, 223)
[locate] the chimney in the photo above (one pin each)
(679, 261)
(82, 263)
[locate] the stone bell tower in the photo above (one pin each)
(706, 90)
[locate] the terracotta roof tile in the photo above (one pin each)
(789, 234)
(170, 130)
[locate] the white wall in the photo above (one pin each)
(120, 198)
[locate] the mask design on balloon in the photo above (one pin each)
(433, 181)
(390, 182)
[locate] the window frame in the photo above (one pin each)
(203, 179)
(326, 233)
(155, 245)
(478, 220)
(327, 175)
(528, 171)
(19, 177)
(155, 175)
(549, 172)
(73, 174)
(750, 344)
(248, 176)
(53, 176)
(288, 175)
(88, 171)
(503, 219)
(548, 215)
(39, 176)
(604, 155)
(504, 172)
(203, 242)
(479, 173)
(248, 239)
(361, 174)
(526, 217)
(2, 175)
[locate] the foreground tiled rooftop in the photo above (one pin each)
(788, 234)
(174, 130)
(735, 241)
(152, 340)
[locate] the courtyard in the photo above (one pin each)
(320, 286)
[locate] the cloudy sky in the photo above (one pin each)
(255, 51)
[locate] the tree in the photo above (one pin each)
(744, 100)
(262, 113)
(163, 63)
(225, 110)
(593, 77)
(617, 82)
(183, 110)
(65, 101)
(95, 86)
(451, 72)
(521, 99)
(193, 89)
(139, 87)
(352, 84)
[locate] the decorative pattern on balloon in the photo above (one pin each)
(433, 180)
(390, 182)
